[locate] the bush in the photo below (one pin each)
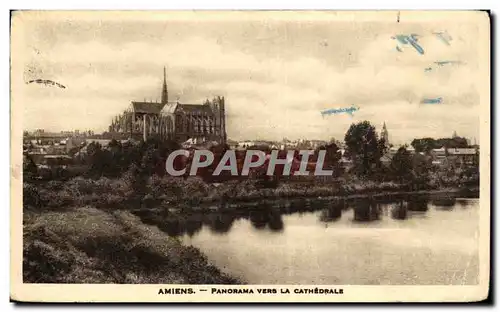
(80, 186)
(31, 196)
(79, 191)
(55, 185)
(61, 199)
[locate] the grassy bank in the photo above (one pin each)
(88, 245)
(128, 193)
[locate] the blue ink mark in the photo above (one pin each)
(441, 63)
(348, 110)
(438, 100)
(402, 39)
(413, 42)
(428, 69)
(409, 39)
(444, 37)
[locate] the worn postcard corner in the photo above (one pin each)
(250, 156)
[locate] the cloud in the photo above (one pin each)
(267, 97)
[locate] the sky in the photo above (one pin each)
(276, 72)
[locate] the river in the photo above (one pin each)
(417, 240)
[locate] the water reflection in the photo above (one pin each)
(276, 223)
(464, 203)
(444, 202)
(220, 223)
(193, 226)
(333, 212)
(300, 206)
(172, 227)
(366, 210)
(258, 219)
(400, 211)
(412, 206)
(269, 216)
(418, 251)
(418, 203)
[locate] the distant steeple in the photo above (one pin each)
(385, 134)
(454, 134)
(164, 91)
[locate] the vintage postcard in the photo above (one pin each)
(250, 156)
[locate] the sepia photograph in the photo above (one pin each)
(258, 156)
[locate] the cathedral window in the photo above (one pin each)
(179, 123)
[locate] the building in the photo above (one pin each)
(232, 144)
(464, 156)
(173, 120)
(438, 156)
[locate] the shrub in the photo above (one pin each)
(55, 185)
(79, 186)
(31, 196)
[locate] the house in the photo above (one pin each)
(464, 156)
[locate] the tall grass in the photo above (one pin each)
(123, 192)
(88, 245)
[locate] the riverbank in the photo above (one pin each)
(113, 230)
(440, 193)
(128, 193)
(89, 245)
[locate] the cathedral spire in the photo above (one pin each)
(385, 134)
(164, 91)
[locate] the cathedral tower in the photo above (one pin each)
(164, 91)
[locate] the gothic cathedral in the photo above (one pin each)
(197, 123)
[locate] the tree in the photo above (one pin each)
(455, 142)
(95, 159)
(332, 155)
(424, 145)
(103, 162)
(382, 147)
(30, 170)
(401, 165)
(363, 147)
(427, 144)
